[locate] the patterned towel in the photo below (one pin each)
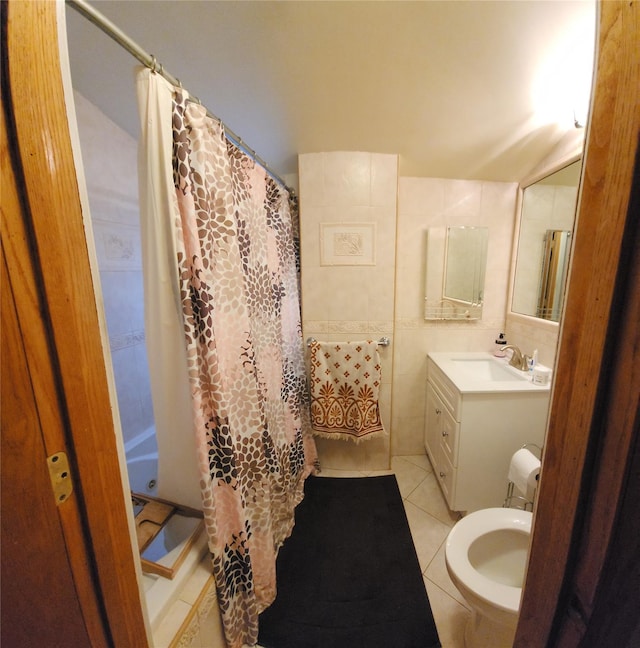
(345, 381)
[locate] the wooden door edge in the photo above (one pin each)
(43, 141)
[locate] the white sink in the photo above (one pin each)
(481, 372)
(488, 369)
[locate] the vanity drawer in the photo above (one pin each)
(446, 476)
(444, 387)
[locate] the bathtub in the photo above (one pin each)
(161, 593)
(142, 462)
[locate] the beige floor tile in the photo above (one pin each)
(408, 475)
(438, 574)
(331, 472)
(170, 624)
(419, 460)
(428, 496)
(197, 581)
(449, 615)
(427, 533)
(211, 634)
(379, 473)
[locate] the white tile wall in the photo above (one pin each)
(531, 334)
(341, 301)
(349, 302)
(110, 163)
(433, 202)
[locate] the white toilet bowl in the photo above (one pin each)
(486, 555)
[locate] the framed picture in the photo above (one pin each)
(118, 246)
(347, 244)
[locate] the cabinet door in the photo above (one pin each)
(446, 475)
(448, 435)
(432, 424)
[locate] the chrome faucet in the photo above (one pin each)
(518, 360)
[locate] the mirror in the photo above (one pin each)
(456, 260)
(544, 243)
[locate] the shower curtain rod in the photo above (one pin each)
(150, 61)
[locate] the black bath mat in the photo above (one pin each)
(349, 577)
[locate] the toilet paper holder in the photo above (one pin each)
(526, 446)
(518, 501)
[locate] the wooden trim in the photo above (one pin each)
(22, 281)
(586, 343)
(606, 592)
(67, 300)
(151, 519)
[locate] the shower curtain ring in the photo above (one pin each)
(153, 64)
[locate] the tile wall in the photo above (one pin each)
(110, 165)
(435, 202)
(350, 301)
(341, 302)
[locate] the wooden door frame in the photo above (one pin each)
(592, 427)
(29, 377)
(48, 235)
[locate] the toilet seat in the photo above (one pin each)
(468, 530)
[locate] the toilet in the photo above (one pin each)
(486, 556)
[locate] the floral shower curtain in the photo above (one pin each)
(233, 231)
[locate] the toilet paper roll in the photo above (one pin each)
(524, 470)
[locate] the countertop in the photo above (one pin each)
(470, 378)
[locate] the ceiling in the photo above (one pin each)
(458, 89)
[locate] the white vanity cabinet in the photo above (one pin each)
(473, 428)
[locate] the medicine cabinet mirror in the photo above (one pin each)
(456, 260)
(547, 217)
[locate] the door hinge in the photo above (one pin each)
(60, 476)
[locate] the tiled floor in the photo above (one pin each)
(430, 520)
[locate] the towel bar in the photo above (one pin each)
(383, 341)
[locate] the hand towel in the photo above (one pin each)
(345, 383)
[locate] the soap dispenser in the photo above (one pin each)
(501, 342)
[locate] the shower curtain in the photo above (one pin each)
(220, 252)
